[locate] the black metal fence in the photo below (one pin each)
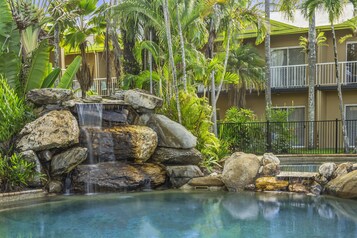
(295, 137)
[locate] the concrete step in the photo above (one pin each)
(317, 159)
(296, 175)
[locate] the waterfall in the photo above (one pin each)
(90, 117)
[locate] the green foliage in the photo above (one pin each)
(38, 68)
(70, 73)
(281, 132)
(241, 131)
(15, 172)
(196, 117)
(12, 111)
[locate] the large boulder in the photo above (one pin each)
(327, 170)
(49, 96)
(31, 157)
(211, 180)
(270, 184)
(128, 142)
(56, 129)
(171, 134)
(115, 176)
(239, 170)
(344, 186)
(176, 156)
(342, 169)
(65, 162)
(181, 174)
(141, 101)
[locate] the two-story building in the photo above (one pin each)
(289, 71)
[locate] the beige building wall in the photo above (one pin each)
(330, 103)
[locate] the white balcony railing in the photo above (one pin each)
(293, 76)
(326, 73)
(290, 76)
(283, 77)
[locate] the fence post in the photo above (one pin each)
(336, 137)
(268, 136)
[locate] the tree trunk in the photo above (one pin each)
(213, 102)
(225, 62)
(150, 64)
(339, 91)
(209, 54)
(84, 74)
(131, 66)
(57, 51)
(268, 102)
(312, 78)
(182, 44)
(107, 57)
(171, 56)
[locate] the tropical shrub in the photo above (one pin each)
(196, 117)
(241, 131)
(15, 172)
(281, 132)
(13, 114)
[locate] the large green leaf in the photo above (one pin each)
(10, 68)
(51, 78)
(9, 35)
(68, 76)
(39, 63)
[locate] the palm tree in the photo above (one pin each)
(165, 6)
(84, 24)
(247, 63)
(334, 9)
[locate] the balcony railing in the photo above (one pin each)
(295, 76)
(326, 73)
(290, 76)
(283, 77)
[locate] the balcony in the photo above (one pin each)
(296, 76)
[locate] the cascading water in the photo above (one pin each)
(90, 118)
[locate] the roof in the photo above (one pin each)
(281, 25)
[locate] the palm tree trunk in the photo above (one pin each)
(57, 52)
(339, 91)
(171, 57)
(209, 54)
(213, 102)
(312, 78)
(107, 56)
(182, 44)
(268, 102)
(150, 64)
(225, 62)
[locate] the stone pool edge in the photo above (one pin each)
(22, 195)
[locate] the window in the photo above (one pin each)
(282, 74)
(351, 123)
(351, 65)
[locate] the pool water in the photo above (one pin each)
(179, 214)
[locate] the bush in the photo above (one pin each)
(15, 172)
(241, 131)
(196, 117)
(12, 114)
(282, 134)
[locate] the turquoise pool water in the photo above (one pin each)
(178, 214)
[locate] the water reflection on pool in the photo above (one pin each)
(178, 214)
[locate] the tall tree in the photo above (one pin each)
(84, 24)
(334, 9)
(165, 7)
(268, 101)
